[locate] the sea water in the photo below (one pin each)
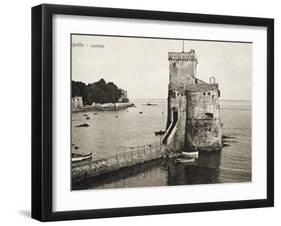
(113, 131)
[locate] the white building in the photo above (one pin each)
(123, 95)
(77, 102)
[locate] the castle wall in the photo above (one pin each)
(203, 101)
(178, 104)
(205, 134)
(203, 123)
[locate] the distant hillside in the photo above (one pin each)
(98, 92)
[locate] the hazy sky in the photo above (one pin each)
(141, 66)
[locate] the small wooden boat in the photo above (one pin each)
(160, 132)
(184, 159)
(75, 157)
(193, 154)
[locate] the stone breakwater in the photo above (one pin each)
(104, 107)
(128, 158)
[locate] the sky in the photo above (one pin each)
(141, 66)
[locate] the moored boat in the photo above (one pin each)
(193, 154)
(149, 104)
(184, 159)
(160, 132)
(75, 157)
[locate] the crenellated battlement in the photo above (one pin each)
(182, 56)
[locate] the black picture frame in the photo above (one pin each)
(42, 107)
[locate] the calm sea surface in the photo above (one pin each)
(112, 131)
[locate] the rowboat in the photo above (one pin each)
(193, 154)
(160, 132)
(149, 104)
(75, 157)
(184, 159)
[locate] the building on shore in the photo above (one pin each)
(193, 121)
(124, 96)
(77, 102)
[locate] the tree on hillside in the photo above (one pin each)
(98, 92)
(78, 88)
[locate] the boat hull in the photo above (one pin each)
(193, 154)
(79, 158)
(184, 160)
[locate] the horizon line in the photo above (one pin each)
(167, 97)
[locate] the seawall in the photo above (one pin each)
(104, 107)
(128, 158)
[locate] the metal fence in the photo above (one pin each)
(142, 152)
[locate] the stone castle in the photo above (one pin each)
(193, 122)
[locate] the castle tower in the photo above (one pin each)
(182, 67)
(193, 121)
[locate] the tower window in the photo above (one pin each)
(209, 115)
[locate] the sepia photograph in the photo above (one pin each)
(159, 111)
(141, 112)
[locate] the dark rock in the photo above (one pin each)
(83, 125)
(227, 137)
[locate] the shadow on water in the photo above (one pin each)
(205, 170)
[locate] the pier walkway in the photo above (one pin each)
(122, 159)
